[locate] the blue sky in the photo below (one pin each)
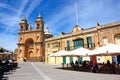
(59, 15)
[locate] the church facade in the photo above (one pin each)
(31, 41)
(38, 44)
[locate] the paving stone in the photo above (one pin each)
(40, 71)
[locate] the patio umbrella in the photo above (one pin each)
(78, 52)
(59, 53)
(5, 53)
(108, 49)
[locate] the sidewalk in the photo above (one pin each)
(40, 71)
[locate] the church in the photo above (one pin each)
(31, 42)
(37, 44)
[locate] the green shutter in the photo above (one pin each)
(74, 44)
(78, 43)
(68, 45)
(64, 60)
(80, 60)
(81, 43)
(89, 42)
(71, 59)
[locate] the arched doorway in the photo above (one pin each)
(29, 47)
(31, 55)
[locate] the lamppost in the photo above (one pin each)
(98, 38)
(98, 33)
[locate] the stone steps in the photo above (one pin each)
(34, 60)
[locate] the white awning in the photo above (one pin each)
(107, 50)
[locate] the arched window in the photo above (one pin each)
(21, 28)
(31, 43)
(38, 26)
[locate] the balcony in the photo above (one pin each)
(88, 46)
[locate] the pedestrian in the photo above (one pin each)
(24, 59)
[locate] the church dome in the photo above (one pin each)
(46, 31)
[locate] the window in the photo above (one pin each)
(31, 44)
(55, 45)
(78, 43)
(117, 38)
(89, 42)
(68, 45)
(21, 28)
(38, 26)
(48, 45)
(105, 40)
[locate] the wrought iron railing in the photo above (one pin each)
(88, 46)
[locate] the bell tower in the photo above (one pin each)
(23, 24)
(39, 23)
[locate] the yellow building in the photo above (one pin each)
(30, 42)
(90, 38)
(37, 44)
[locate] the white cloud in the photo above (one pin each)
(8, 41)
(6, 6)
(22, 6)
(34, 4)
(89, 12)
(11, 21)
(101, 11)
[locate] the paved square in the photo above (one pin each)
(40, 71)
